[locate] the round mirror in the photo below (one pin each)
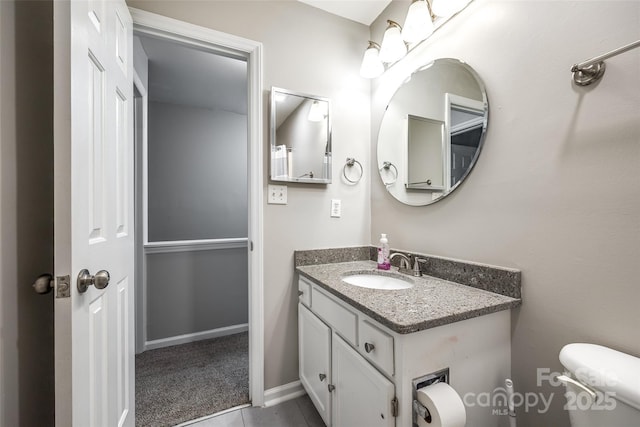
(432, 132)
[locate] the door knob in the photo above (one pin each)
(85, 279)
(43, 284)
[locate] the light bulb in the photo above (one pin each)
(371, 66)
(448, 8)
(418, 25)
(393, 47)
(316, 112)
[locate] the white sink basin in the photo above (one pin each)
(377, 281)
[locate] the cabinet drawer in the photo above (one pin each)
(343, 321)
(304, 291)
(377, 346)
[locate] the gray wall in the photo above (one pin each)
(26, 212)
(197, 173)
(556, 191)
(191, 292)
(197, 190)
(308, 51)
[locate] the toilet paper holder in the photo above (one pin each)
(419, 410)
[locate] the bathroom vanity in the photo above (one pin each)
(361, 351)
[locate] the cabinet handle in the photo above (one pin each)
(322, 377)
(300, 293)
(331, 387)
(368, 347)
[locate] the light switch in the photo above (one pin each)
(336, 208)
(277, 194)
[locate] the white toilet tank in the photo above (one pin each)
(612, 375)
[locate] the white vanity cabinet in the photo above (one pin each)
(360, 373)
(347, 390)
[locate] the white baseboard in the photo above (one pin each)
(282, 393)
(187, 338)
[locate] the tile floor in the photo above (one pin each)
(298, 412)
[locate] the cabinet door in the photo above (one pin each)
(362, 395)
(314, 340)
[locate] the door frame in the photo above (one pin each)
(140, 260)
(222, 43)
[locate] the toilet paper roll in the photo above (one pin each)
(444, 405)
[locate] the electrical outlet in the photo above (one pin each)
(277, 194)
(336, 208)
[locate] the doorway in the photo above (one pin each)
(198, 196)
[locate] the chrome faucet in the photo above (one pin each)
(405, 264)
(416, 265)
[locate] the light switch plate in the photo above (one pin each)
(336, 208)
(277, 194)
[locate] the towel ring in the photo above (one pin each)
(350, 162)
(387, 166)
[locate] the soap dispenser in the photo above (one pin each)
(383, 253)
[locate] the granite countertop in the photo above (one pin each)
(429, 303)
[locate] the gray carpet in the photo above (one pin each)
(184, 382)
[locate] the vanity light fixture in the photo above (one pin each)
(447, 8)
(419, 22)
(393, 47)
(423, 18)
(371, 66)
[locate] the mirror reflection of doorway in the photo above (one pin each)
(191, 206)
(466, 123)
(464, 145)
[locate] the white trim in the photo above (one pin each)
(209, 39)
(192, 35)
(194, 245)
(145, 156)
(282, 393)
(197, 336)
(140, 259)
(4, 8)
(256, 227)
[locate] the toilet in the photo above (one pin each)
(602, 386)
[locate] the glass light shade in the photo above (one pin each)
(393, 47)
(316, 112)
(371, 66)
(418, 25)
(447, 8)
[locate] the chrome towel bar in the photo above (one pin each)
(592, 70)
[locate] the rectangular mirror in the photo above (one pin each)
(300, 137)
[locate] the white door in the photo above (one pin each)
(362, 396)
(314, 340)
(93, 161)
